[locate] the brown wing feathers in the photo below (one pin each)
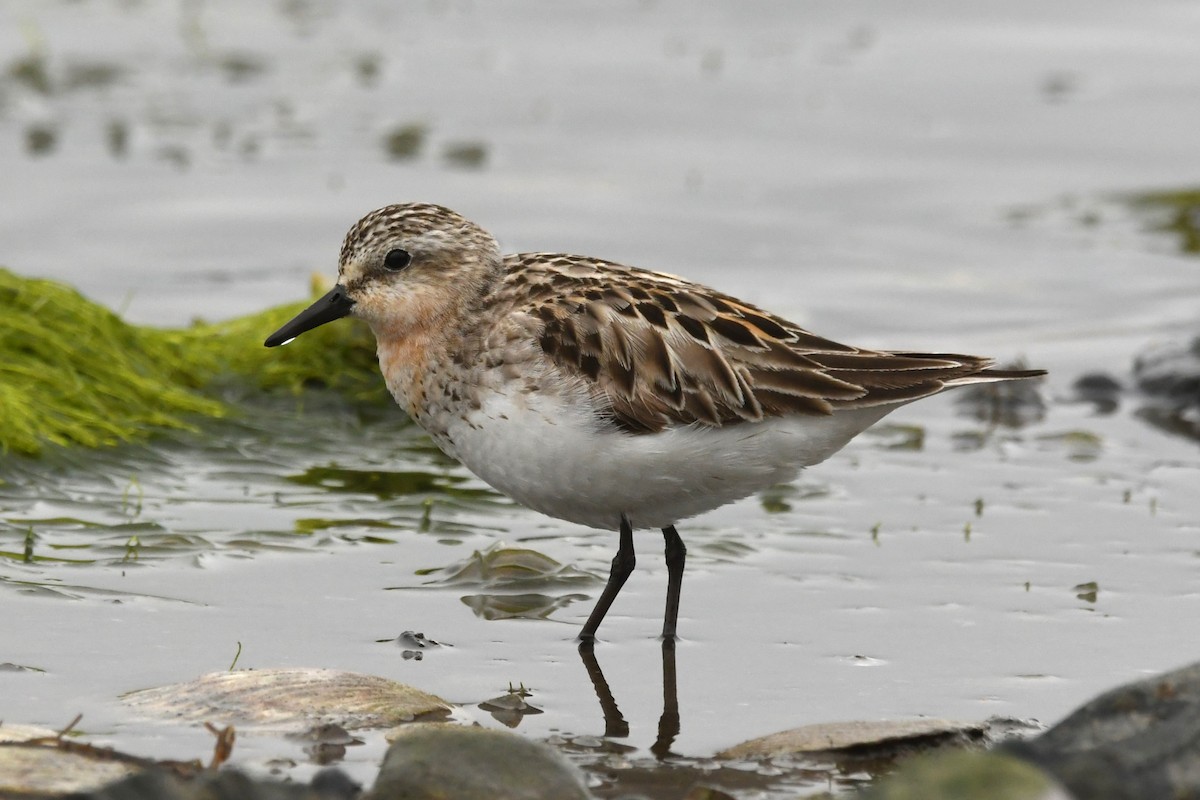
(669, 354)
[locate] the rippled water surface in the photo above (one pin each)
(932, 176)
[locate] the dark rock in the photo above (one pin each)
(1010, 404)
(1170, 372)
(1100, 389)
(1140, 741)
(1169, 378)
(159, 784)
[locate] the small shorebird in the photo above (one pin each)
(602, 394)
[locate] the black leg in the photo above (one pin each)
(676, 555)
(622, 566)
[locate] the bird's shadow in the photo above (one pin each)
(615, 726)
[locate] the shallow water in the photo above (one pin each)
(937, 177)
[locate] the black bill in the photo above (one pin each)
(334, 305)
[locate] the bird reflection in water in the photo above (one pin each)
(615, 726)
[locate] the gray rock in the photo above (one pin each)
(435, 762)
(1140, 741)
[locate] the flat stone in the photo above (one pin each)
(857, 738)
(31, 769)
(291, 700)
(23, 733)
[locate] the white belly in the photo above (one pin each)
(555, 458)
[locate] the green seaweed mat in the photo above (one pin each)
(73, 373)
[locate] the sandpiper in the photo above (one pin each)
(603, 394)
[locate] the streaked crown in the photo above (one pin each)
(423, 227)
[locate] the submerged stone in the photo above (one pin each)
(509, 709)
(512, 568)
(531, 605)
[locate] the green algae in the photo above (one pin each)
(405, 141)
(388, 484)
(73, 373)
(1177, 212)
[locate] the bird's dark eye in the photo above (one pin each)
(396, 260)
